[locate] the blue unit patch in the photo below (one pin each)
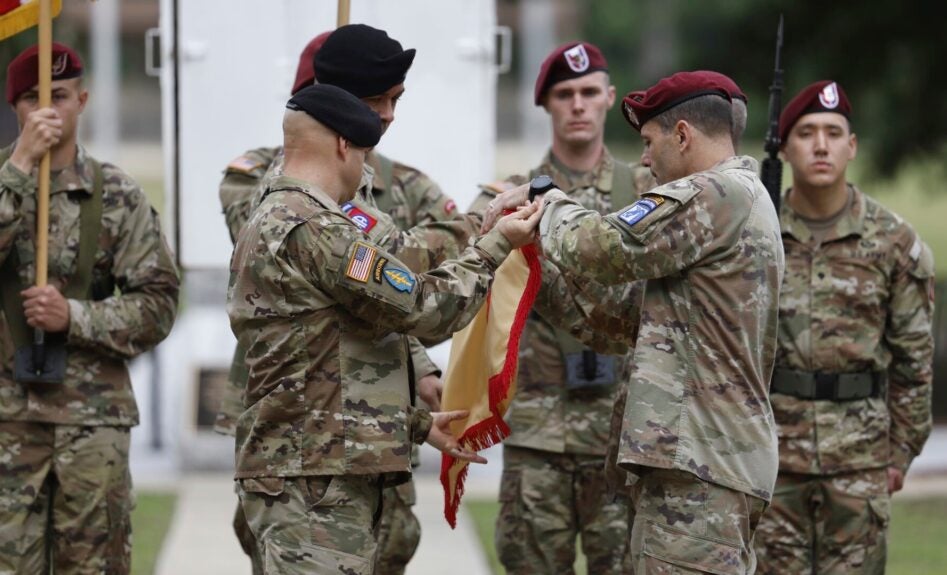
(399, 279)
(640, 209)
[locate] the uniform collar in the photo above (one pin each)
(737, 163)
(600, 177)
(373, 162)
(283, 182)
(851, 223)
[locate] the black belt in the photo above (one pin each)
(828, 386)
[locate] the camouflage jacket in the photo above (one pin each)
(320, 310)
(709, 247)
(407, 195)
(132, 256)
(862, 301)
(545, 414)
(241, 189)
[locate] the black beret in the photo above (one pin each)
(342, 112)
(362, 60)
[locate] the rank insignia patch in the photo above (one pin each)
(399, 279)
(360, 264)
(640, 209)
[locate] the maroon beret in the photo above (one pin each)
(567, 62)
(304, 73)
(639, 107)
(824, 96)
(23, 71)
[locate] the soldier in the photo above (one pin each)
(851, 391)
(698, 428)
(64, 481)
(408, 196)
(327, 428)
(552, 489)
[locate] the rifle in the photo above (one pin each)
(771, 172)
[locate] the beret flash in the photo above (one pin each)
(340, 111)
(23, 71)
(566, 62)
(362, 60)
(823, 96)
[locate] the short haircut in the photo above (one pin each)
(739, 121)
(711, 114)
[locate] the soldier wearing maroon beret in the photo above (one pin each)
(851, 390)
(697, 427)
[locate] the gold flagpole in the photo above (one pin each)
(42, 190)
(343, 15)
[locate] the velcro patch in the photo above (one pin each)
(360, 264)
(364, 221)
(399, 279)
(244, 165)
(638, 210)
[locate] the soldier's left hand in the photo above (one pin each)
(430, 388)
(508, 200)
(441, 437)
(45, 308)
(895, 480)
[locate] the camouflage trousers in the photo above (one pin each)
(683, 524)
(547, 500)
(826, 524)
(65, 499)
(399, 531)
(317, 524)
(247, 541)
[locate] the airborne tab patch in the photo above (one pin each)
(399, 279)
(360, 264)
(640, 209)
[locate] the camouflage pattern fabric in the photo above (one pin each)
(709, 246)
(683, 524)
(415, 199)
(304, 277)
(826, 524)
(316, 524)
(132, 256)
(859, 302)
(74, 481)
(546, 501)
(247, 540)
(399, 531)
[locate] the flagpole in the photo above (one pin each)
(343, 14)
(42, 190)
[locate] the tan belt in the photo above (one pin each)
(828, 386)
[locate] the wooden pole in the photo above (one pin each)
(42, 190)
(343, 15)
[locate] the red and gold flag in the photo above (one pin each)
(16, 17)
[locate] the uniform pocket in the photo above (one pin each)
(294, 558)
(675, 547)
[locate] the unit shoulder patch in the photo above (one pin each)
(362, 220)
(399, 279)
(640, 209)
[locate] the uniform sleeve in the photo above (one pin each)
(909, 336)
(375, 286)
(143, 313)
(428, 201)
(238, 187)
(13, 185)
(665, 232)
(421, 361)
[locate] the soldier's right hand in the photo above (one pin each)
(511, 199)
(42, 131)
(520, 226)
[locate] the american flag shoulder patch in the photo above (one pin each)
(360, 263)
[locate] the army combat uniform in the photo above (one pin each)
(851, 391)
(306, 278)
(552, 489)
(698, 428)
(411, 199)
(64, 446)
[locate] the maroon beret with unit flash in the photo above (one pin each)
(824, 96)
(735, 92)
(567, 62)
(639, 107)
(23, 71)
(304, 74)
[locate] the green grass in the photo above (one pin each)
(150, 521)
(916, 539)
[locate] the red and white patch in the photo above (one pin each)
(828, 97)
(364, 221)
(577, 58)
(449, 207)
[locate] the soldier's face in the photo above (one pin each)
(578, 107)
(819, 148)
(67, 97)
(384, 105)
(661, 153)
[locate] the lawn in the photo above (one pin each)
(918, 529)
(150, 521)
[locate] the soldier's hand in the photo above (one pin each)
(430, 388)
(520, 226)
(895, 480)
(508, 200)
(42, 131)
(442, 438)
(45, 308)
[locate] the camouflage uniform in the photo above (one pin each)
(552, 489)
(305, 277)
(64, 446)
(698, 427)
(858, 302)
(412, 200)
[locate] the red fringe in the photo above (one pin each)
(494, 429)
